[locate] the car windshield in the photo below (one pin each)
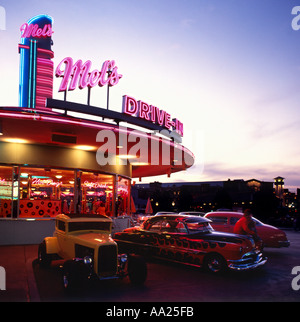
(88, 225)
(173, 225)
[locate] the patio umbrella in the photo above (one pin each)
(132, 205)
(71, 206)
(148, 209)
(65, 209)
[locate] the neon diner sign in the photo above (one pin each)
(78, 74)
(33, 30)
(151, 113)
(45, 182)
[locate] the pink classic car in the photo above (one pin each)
(225, 221)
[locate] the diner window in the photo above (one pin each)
(123, 195)
(97, 193)
(6, 191)
(45, 192)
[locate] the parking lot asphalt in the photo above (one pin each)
(25, 281)
(20, 283)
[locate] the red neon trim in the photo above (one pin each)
(41, 50)
(83, 123)
(46, 51)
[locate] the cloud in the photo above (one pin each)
(267, 172)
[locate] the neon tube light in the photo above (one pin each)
(79, 74)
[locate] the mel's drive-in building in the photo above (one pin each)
(58, 156)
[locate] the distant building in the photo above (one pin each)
(201, 196)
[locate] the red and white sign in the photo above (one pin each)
(79, 74)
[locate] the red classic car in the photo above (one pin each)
(271, 236)
(190, 240)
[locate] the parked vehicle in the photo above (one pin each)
(161, 213)
(225, 221)
(192, 213)
(192, 241)
(85, 243)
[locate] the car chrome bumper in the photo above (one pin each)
(285, 243)
(248, 261)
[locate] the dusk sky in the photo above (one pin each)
(229, 70)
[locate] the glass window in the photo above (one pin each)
(123, 203)
(45, 192)
(155, 226)
(181, 228)
(61, 225)
(97, 193)
(196, 227)
(5, 191)
(219, 220)
(234, 220)
(97, 225)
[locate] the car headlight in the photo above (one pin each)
(123, 258)
(87, 260)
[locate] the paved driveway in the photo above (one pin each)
(169, 282)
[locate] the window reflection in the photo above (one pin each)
(97, 193)
(28, 192)
(46, 192)
(5, 191)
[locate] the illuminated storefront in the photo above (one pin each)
(52, 161)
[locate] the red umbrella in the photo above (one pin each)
(132, 206)
(148, 209)
(65, 209)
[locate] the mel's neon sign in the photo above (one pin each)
(78, 74)
(33, 30)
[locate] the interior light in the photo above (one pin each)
(85, 147)
(139, 163)
(15, 140)
(126, 156)
(58, 176)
